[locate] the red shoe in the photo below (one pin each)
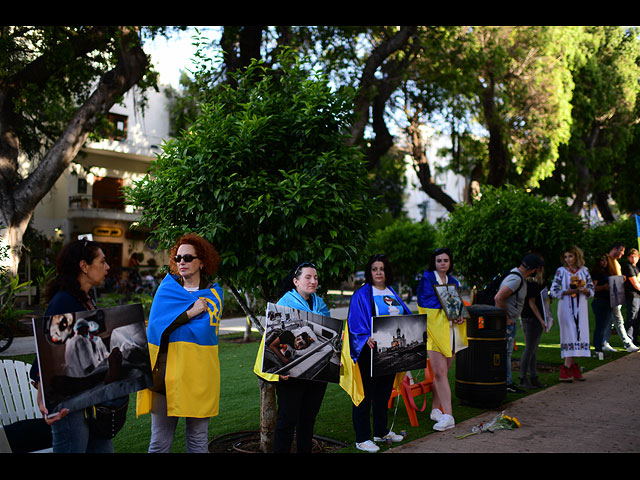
(565, 374)
(575, 371)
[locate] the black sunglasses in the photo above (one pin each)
(187, 258)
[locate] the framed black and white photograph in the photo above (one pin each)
(302, 344)
(400, 344)
(451, 302)
(616, 290)
(91, 357)
(546, 309)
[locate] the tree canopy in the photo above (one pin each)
(57, 83)
(264, 172)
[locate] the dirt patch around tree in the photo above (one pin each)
(249, 442)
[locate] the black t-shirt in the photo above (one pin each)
(600, 279)
(629, 270)
(533, 291)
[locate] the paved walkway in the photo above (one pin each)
(599, 415)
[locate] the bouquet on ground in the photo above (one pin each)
(499, 422)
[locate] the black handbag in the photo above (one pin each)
(106, 420)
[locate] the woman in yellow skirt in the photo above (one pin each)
(444, 337)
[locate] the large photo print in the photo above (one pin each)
(90, 357)
(400, 344)
(302, 344)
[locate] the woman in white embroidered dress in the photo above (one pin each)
(572, 286)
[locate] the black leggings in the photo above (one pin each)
(298, 404)
(377, 391)
(532, 329)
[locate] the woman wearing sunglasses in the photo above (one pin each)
(444, 338)
(183, 346)
(375, 298)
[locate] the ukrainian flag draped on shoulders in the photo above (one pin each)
(349, 381)
(359, 318)
(438, 325)
(192, 378)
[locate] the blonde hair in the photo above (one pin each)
(577, 252)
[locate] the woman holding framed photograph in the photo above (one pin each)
(375, 298)
(444, 337)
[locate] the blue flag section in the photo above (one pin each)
(638, 230)
(192, 378)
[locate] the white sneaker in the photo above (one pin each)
(632, 348)
(608, 348)
(368, 446)
(391, 436)
(436, 414)
(445, 423)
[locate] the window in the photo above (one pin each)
(115, 128)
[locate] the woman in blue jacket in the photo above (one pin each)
(375, 298)
(444, 337)
(299, 400)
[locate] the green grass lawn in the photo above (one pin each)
(240, 398)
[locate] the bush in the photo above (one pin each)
(493, 234)
(599, 239)
(407, 245)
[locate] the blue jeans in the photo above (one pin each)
(163, 429)
(618, 323)
(602, 312)
(511, 340)
(71, 435)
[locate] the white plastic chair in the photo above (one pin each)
(18, 398)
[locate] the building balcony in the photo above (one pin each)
(101, 207)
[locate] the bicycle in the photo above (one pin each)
(6, 337)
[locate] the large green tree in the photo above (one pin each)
(597, 162)
(264, 172)
(56, 84)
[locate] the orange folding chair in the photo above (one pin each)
(409, 391)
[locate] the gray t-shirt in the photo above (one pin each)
(515, 303)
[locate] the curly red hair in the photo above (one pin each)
(205, 252)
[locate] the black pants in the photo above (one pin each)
(377, 391)
(298, 404)
(532, 329)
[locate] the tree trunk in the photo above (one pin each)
(583, 181)
(498, 153)
(21, 198)
(421, 166)
(268, 415)
(368, 80)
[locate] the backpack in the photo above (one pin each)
(487, 294)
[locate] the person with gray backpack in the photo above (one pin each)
(511, 297)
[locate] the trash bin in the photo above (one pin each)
(481, 369)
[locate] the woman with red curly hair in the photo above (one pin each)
(183, 346)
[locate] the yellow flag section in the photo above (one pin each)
(192, 378)
(350, 379)
(439, 332)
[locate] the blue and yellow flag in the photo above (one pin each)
(192, 378)
(638, 230)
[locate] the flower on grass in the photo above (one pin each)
(499, 422)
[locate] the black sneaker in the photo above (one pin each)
(535, 383)
(511, 388)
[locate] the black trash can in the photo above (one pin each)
(481, 369)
